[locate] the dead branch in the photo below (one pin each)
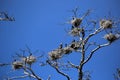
(49, 77)
(32, 72)
(94, 50)
(3, 64)
(117, 74)
(73, 65)
(56, 68)
(17, 77)
(4, 17)
(92, 34)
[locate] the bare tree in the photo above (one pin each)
(23, 61)
(81, 44)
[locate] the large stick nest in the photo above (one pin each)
(76, 22)
(17, 65)
(56, 54)
(106, 24)
(110, 37)
(67, 50)
(75, 31)
(75, 45)
(30, 59)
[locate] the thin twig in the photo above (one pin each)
(3, 64)
(73, 65)
(38, 78)
(49, 77)
(94, 50)
(92, 34)
(60, 72)
(17, 77)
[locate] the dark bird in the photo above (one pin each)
(60, 46)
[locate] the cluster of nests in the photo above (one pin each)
(76, 30)
(18, 64)
(108, 24)
(58, 53)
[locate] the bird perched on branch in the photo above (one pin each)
(77, 21)
(60, 46)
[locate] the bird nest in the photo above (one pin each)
(106, 24)
(75, 45)
(75, 31)
(56, 54)
(76, 22)
(17, 65)
(67, 50)
(60, 52)
(30, 59)
(110, 37)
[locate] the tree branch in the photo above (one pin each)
(17, 77)
(81, 62)
(49, 77)
(92, 34)
(56, 68)
(73, 65)
(94, 50)
(38, 78)
(3, 64)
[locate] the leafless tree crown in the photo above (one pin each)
(78, 30)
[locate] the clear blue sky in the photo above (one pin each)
(38, 24)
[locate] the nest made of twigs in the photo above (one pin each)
(111, 37)
(60, 52)
(106, 24)
(17, 65)
(30, 59)
(75, 45)
(67, 50)
(56, 54)
(75, 31)
(76, 22)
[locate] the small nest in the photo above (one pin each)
(29, 59)
(17, 65)
(110, 37)
(76, 22)
(75, 45)
(106, 24)
(75, 31)
(56, 54)
(67, 50)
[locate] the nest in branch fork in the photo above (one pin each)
(75, 45)
(111, 37)
(75, 31)
(30, 59)
(106, 24)
(17, 65)
(56, 54)
(76, 22)
(67, 50)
